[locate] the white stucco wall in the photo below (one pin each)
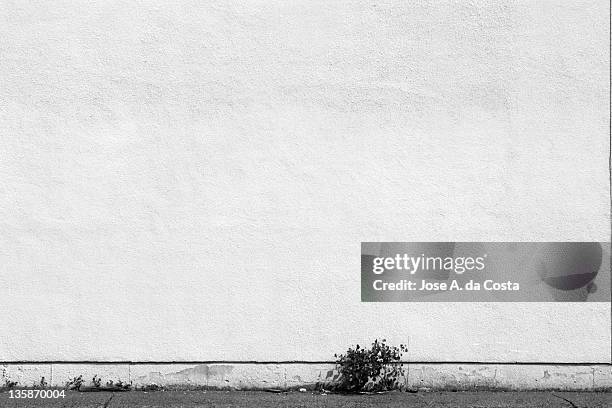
(192, 180)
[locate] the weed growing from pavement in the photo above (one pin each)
(96, 381)
(9, 385)
(75, 383)
(375, 369)
(119, 385)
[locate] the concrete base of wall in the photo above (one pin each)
(243, 376)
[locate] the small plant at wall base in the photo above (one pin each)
(75, 383)
(375, 369)
(119, 385)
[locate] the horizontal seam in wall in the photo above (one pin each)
(525, 363)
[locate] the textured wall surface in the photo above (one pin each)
(192, 180)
